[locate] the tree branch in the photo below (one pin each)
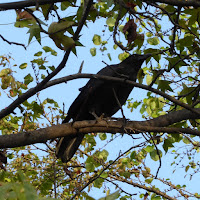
(194, 3)
(142, 186)
(16, 43)
(133, 127)
(25, 4)
(120, 80)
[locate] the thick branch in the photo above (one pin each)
(24, 4)
(195, 3)
(133, 127)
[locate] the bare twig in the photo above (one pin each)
(130, 182)
(120, 106)
(174, 31)
(12, 42)
(81, 67)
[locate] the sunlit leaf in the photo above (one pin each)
(93, 51)
(96, 39)
(23, 66)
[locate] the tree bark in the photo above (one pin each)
(158, 124)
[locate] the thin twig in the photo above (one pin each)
(118, 102)
(16, 43)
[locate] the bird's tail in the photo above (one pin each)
(67, 147)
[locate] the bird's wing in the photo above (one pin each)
(87, 90)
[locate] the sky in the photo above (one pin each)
(68, 92)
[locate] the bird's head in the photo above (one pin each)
(133, 63)
(136, 59)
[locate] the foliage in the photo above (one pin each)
(171, 33)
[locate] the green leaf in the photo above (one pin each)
(65, 5)
(59, 27)
(24, 23)
(102, 136)
(139, 3)
(167, 145)
(39, 61)
(139, 41)
(149, 148)
(39, 53)
(48, 49)
(149, 180)
(51, 101)
(187, 41)
(123, 56)
(23, 66)
(121, 28)
(154, 155)
(186, 141)
(98, 183)
(104, 175)
(149, 79)
(115, 46)
(153, 41)
(93, 51)
(155, 197)
(45, 10)
(28, 79)
(189, 93)
(56, 33)
(52, 68)
(193, 17)
(125, 160)
(103, 155)
(133, 155)
(186, 168)
(109, 56)
(164, 85)
(89, 164)
(5, 72)
(112, 196)
(175, 63)
(67, 42)
(110, 3)
(37, 108)
(126, 174)
(34, 32)
(96, 39)
(110, 21)
(149, 34)
(155, 55)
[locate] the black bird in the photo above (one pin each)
(99, 98)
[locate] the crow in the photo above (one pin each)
(99, 98)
